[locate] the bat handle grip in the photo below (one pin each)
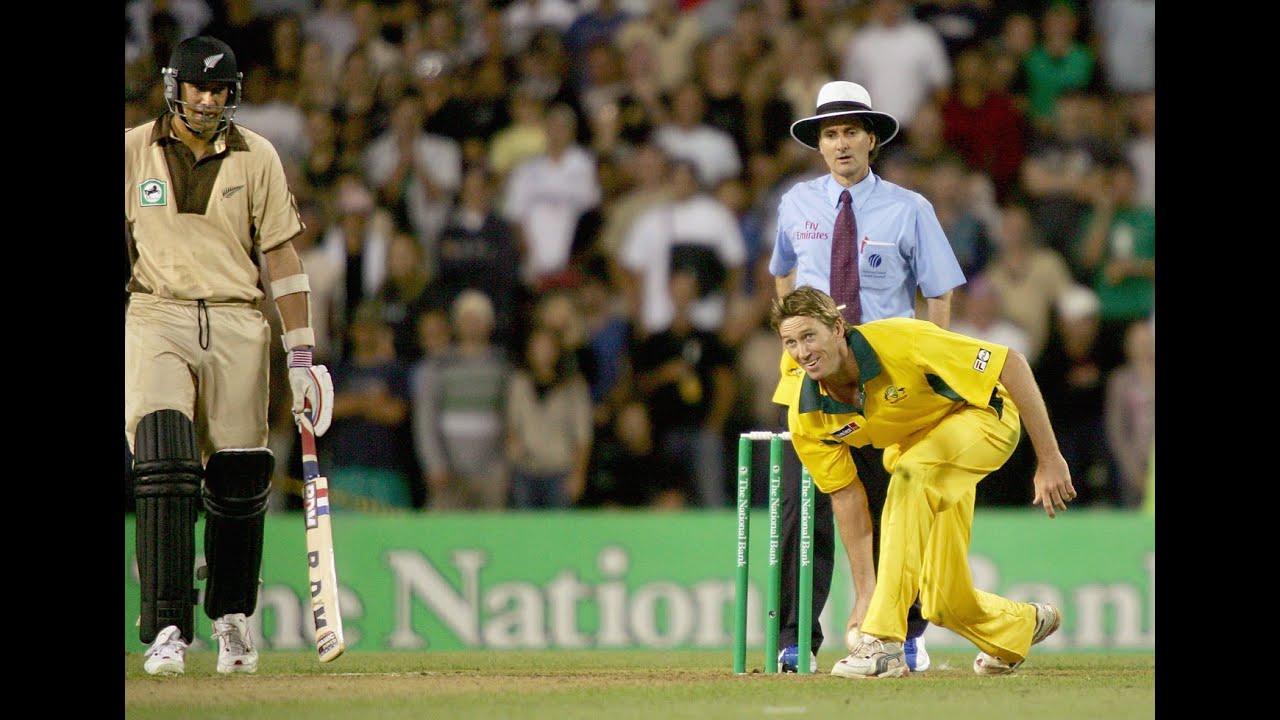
(310, 465)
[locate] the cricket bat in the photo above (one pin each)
(321, 572)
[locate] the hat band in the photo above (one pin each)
(842, 106)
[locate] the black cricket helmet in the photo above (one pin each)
(202, 60)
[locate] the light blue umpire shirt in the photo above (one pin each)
(901, 245)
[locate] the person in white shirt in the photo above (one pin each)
(901, 61)
(695, 227)
(546, 194)
(711, 149)
(415, 170)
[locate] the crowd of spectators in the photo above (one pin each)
(538, 231)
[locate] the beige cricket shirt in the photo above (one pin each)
(193, 227)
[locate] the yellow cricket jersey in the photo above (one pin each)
(912, 374)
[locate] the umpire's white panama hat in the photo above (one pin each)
(841, 97)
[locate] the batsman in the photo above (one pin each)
(207, 207)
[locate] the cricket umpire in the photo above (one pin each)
(896, 249)
(206, 206)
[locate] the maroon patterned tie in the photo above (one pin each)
(844, 261)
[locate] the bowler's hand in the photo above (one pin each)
(1053, 485)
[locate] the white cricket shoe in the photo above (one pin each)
(1048, 619)
(873, 658)
(167, 654)
(236, 652)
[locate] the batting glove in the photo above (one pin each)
(312, 391)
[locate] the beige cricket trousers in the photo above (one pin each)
(210, 362)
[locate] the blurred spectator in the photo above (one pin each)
(154, 27)
(358, 242)
(521, 19)
(980, 313)
(523, 137)
(478, 249)
(827, 20)
(384, 56)
(549, 428)
(458, 413)
(672, 34)
(1009, 49)
(695, 230)
(1131, 411)
(444, 108)
(604, 85)
(416, 173)
(402, 295)
(1118, 248)
(399, 19)
(1126, 35)
(627, 470)
(369, 464)
(765, 188)
(1059, 62)
(357, 95)
(435, 334)
(1027, 275)
(768, 112)
(609, 334)
(750, 300)
(270, 108)
(325, 276)
(1140, 148)
(804, 73)
(685, 377)
(1073, 381)
(596, 27)
(959, 23)
(687, 135)
(1057, 174)
(543, 69)
(487, 103)
(546, 194)
(983, 123)
(647, 168)
(947, 188)
(558, 310)
(756, 370)
(332, 24)
(721, 78)
(317, 78)
(898, 59)
(642, 106)
(439, 47)
(322, 164)
(284, 58)
(778, 18)
(483, 34)
(749, 38)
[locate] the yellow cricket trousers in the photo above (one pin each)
(925, 534)
(222, 386)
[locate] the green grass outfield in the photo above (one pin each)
(615, 685)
